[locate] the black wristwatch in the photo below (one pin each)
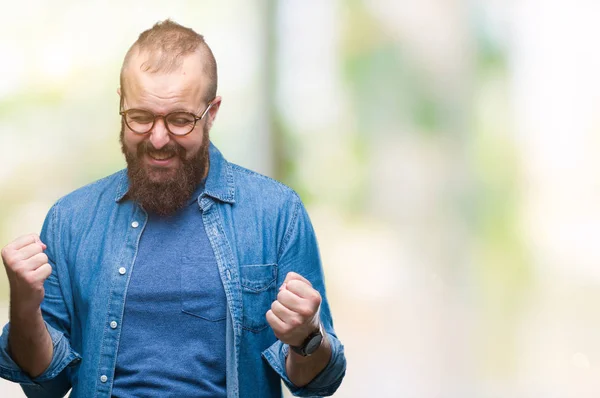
(311, 344)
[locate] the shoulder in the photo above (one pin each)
(260, 189)
(75, 211)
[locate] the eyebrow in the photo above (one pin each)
(171, 111)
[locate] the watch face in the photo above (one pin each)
(313, 344)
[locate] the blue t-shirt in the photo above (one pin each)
(173, 332)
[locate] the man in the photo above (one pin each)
(183, 275)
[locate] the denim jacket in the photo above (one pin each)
(259, 231)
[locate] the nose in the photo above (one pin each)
(159, 136)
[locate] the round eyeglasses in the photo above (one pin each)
(141, 121)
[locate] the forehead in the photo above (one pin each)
(183, 85)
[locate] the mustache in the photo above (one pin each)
(172, 148)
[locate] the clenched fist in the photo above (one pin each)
(27, 268)
(295, 313)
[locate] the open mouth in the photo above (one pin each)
(161, 156)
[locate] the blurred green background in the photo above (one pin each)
(446, 151)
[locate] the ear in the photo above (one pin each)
(119, 91)
(212, 112)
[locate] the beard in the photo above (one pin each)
(164, 191)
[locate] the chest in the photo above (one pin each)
(141, 258)
(176, 270)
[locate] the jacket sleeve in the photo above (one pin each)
(55, 381)
(300, 253)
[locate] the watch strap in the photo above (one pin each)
(310, 344)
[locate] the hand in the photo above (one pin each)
(295, 313)
(27, 268)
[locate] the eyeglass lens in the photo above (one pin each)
(178, 123)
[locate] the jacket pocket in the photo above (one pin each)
(259, 290)
(202, 293)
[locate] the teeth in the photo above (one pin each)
(160, 156)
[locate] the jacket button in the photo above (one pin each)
(103, 378)
(122, 270)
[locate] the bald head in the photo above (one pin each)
(163, 49)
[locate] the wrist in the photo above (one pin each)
(311, 343)
(24, 312)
